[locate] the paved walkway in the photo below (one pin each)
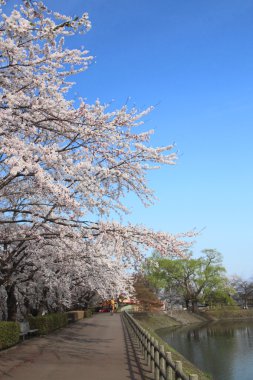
(98, 348)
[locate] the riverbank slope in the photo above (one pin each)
(226, 313)
(183, 317)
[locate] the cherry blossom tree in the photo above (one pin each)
(243, 289)
(65, 165)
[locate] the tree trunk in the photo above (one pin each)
(11, 303)
(194, 306)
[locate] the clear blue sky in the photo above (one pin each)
(194, 61)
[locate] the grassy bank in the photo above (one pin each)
(154, 321)
(228, 313)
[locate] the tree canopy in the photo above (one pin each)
(64, 168)
(196, 280)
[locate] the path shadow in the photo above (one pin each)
(137, 367)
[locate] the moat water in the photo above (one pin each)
(222, 349)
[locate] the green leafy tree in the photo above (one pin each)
(196, 280)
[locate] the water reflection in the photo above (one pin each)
(224, 349)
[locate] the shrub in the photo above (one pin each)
(9, 334)
(75, 315)
(88, 313)
(49, 322)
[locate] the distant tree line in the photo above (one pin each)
(192, 282)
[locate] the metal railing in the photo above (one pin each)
(159, 361)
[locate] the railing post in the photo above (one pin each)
(169, 372)
(193, 377)
(146, 347)
(149, 350)
(142, 343)
(157, 361)
(178, 365)
(162, 363)
(152, 355)
(139, 337)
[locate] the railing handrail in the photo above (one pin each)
(161, 362)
